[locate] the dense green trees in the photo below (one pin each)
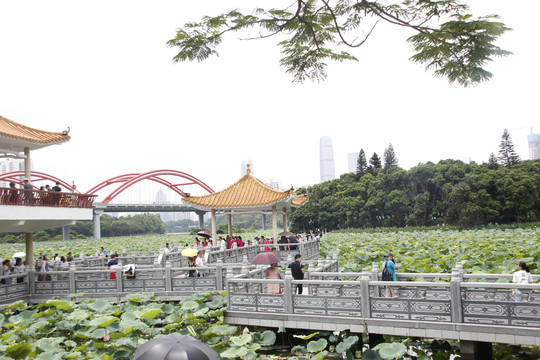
(450, 192)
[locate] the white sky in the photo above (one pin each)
(103, 69)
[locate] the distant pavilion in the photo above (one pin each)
(248, 195)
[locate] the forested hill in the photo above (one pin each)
(450, 192)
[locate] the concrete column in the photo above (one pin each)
(455, 299)
(288, 292)
(65, 232)
(365, 301)
(27, 164)
(97, 224)
(274, 224)
(264, 221)
(29, 249)
(168, 277)
(285, 226)
(229, 224)
(214, 230)
(201, 219)
(475, 350)
(219, 275)
(72, 288)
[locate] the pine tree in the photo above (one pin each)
(375, 163)
(390, 159)
(493, 164)
(507, 154)
(361, 164)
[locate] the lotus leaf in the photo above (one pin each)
(189, 304)
(391, 350)
(371, 355)
(59, 304)
(318, 345)
(50, 344)
(19, 350)
(98, 333)
(235, 351)
(221, 330)
(79, 315)
(168, 308)
(346, 344)
(17, 305)
(216, 304)
(241, 341)
(150, 313)
(100, 305)
(103, 321)
(319, 356)
(282, 329)
(52, 355)
(298, 349)
(267, 337)
(129, 325)
(140, 297)
(306, 337)
(70, 343)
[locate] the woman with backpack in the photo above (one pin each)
(389, 272)
(522, 276)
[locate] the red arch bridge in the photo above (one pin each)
(118, 184)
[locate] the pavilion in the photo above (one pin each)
(248, 195)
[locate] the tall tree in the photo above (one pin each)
(492, 162)
(361, 163)
(375, 163)
(390, 159)
(448, 40)
(507, 154)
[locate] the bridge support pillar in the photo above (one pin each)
(475, 350)
(264, 221)
(65, 232)
(97, 224)
(201, 218)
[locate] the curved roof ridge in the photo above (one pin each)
(13, 130)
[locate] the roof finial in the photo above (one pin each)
(248, 171)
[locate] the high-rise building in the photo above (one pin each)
(243, 170)
(327, 159)
(352, 161)
(534, 146)
(10, 165)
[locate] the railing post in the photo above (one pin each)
(72, 288)
(119, 278)
(365, 300)
(288, 292)
(375, 277)
(455, 298)
(168, 277)
(219, 275)
(301, 248)
(31, 281)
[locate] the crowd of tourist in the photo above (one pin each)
(46, 195)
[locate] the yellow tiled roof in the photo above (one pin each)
(246, 192)
(13, 130)
(300, 200)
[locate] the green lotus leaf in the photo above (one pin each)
(267, 337)
(128, 325)
(189, 304)
(7, 335)
(50, 344)
(254, 346)
(19, 350)
(2, 319)
(371, 355)
(79, 315)
(140, 297)
(126, 341)
(73, 355)
(168, 308)
(100, 305)
(98, 333)
(391, 350)
(241, 340)
(346, 344)
(59, 304)
(216, 303)
(233, 352)
(17, 305)
(150, 313)
(70, 343)
(298, 349)
(103, 321)
(306, 337)
(38, 325)
(282, 329)
(221, 330)
(318, 345)
(319, 356)
(45, 313)
(117, 335)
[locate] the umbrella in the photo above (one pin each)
(190, 252)
(19, 254)
(175, 347)
(204, 233)
(266, 258)
(285, 233)
(219, 232)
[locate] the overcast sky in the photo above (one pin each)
(103, 69)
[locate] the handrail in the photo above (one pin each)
(27, 197)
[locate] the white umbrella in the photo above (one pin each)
(19, 254)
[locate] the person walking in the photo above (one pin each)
(522, 276)
(273, 273)
(297, 271)
(390, 266)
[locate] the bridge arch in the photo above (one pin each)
(35, 176)
(128, 180)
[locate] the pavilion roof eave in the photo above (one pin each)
(287, 202)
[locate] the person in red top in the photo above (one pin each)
(229, 242)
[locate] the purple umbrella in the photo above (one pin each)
(266, 258)
(175, 347)
(204, 233)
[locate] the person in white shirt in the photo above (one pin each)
(522, 276)
(199, 261)
(167, 249)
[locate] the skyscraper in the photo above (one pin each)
(327, 159)
(534, 146)
(352, 161)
